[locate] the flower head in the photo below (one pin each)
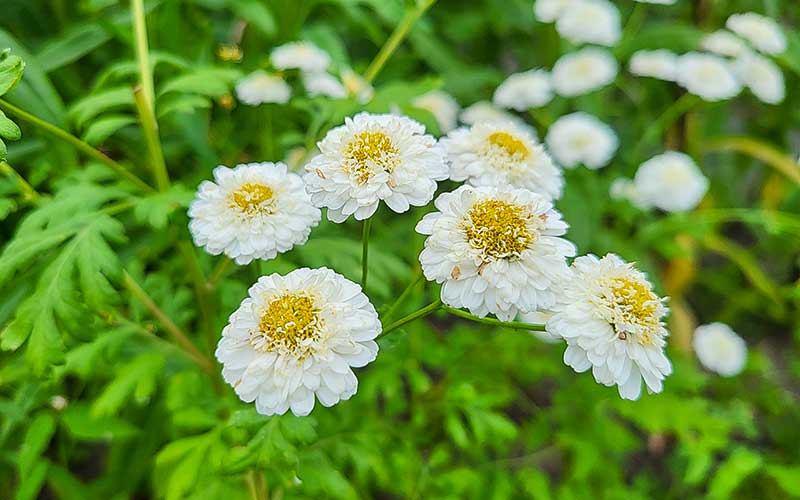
(719, 349)
(260, 88)
(495, 249)
(296, 337)
(580, 138)
(484, 111)
(707, 76)
(302, 55)
(762, 32)
(323, 84)
(501, 153)
(252, 211)
(547, 11)
(724, 43)
(670, 181)
(762, 76)
(522, 91)
(372, 158)
(583, 71)
(661, 64)
(442, 106)
(590, 21)
(612, 322)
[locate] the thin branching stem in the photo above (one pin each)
(418, 277)
(420, 313)
(514, 325)
(27, 191)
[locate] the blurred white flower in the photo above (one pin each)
(442, 106)
(540, 318)
(590, 21)
(719, 349)
(259, 88)
(762, 32)
(59, 402)
(708, 76)
(501, 153)
(762, 76)
(484, 111)
(583, 71)
(612, 322)
(252, 211)
(323, 84)
(724, 43)
(623, 188)
(302, 55)
(496, 250)
(297, 337)
(659, 2)
(372, 158)
(547, 11)
(671, 182)
(357, 86)
(523, 91)
(661, 64)
(580, 138)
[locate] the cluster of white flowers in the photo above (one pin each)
(731, 62)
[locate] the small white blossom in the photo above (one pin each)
(719, 349)
(762, 32)
(260, 88)
(523, 91)
(547, 11)
(580, 138)
(442, 106)
(323, 84)
(484, 112)
(303, 55)
(661, 64)
(671, 182)
(583, 71)
(762, 76)
(708, 76)
(590, 21)
(495, 250)
(724, 43)
(357, 86)
(623, 188)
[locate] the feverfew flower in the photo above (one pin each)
(296, 337)
(590, 21)
(670, 181)
(303, 55)
(724, 43)
(323, 84)
(580, 138)
(660, 64)
(719, 349)
(708, 76)
(357, 86)
(547, 11)
(612, 322)
(762, 76)
(501, 153)
(496, 250)
(522, 91)
(484, 111)
(252, 211)
(583, 71)
(259, 88)
(762, 32)
(442, 106)
(372, 158)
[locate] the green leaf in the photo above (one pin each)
(134, 378)
(96, 104)
(8, 129)
(71, 46)
(36, 439)
(100, 130)
(787, 477)
(257, 14)
(211, 82)
(11, 68)
(155, 209)
(32, 481)
(82, 425)
(733, 471)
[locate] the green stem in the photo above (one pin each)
(153, 143)
(143, 52)
(75, 142)
(204, 302)
(514, 325)
(393, 308)
(365, 252)
(681, 106)
(420, 313)
(218, 273)
(26, 190)
(398, 35)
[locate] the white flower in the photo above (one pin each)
(583, 71)
(442, 106)
(547, 11)
(580, 138)
(707, 76)
(661, 64)
(372, 158)
(501, 153)
(623, 188)
(612, 322)
(590, 21)
(658, 2)
(259, 88)
(252, 211)
(357, 86)
(719, 349)
(540, 318)
(762, 32)
(522, 91)
(670, 181)
(323, 84)
(762, 76)
(724, 43)
(496, 250)
(303, 55)
(296, 337)
(484, 111)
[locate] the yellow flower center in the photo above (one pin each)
(368, 153)
(287, 324)
(497, 228)
(512, 146)
(251, 198)
(634, 304)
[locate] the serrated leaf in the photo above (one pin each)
(733, 471)
(105, 127)
(96, 104)
(211, 82)
(8, 129)
(156, 208)
(134, 378)
(82, 425)
(37, 437)
(11, 69)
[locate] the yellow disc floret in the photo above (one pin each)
(369, 152)
(512, 146)
(252, 198)
(287, 324)
(498, 228)
(635, 308)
